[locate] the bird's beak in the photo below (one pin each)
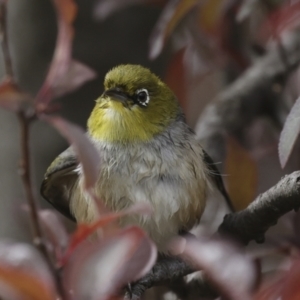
(117, 94)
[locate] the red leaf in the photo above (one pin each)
(227, 267)
(98, 270)
(175, 78)
(74, 76)
(291, 287)
(55, 231)
(85, 230)
(23, 270)
(16, 284)
(11, 97)
(64, 74)
(87, 154)
(289, 133)
(285, 18)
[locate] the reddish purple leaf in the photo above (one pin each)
(64, 75)
(172, 14)
(289, 133)
(11, 97)
(55, 231)
(24, 273)
(87, 154)
(75, 76)
(227, 267)
(98, 270)
(83, 231)
(285, 18)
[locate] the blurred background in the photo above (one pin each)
(198, 47)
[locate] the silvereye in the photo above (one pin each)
(148, 154)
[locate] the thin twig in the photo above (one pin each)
(4, 41)
(24, 171)
(25, 174)
(25, 120)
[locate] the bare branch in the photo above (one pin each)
(249, 224)
(253, 94)
(252, 222)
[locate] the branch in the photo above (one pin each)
(249, 224)
(4, 41)
(252, 222)
(26, 115)
(253, 94)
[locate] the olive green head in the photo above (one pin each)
(135, 106)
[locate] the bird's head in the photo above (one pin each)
(135, 106)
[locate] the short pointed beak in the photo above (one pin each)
(117, 94)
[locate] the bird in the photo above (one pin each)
(149, 154)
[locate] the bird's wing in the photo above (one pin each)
(59, 180)
(217, 178)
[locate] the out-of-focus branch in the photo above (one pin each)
(26, 115)
(4, 41)
(252, 222)
(249, 224)
(253, 94)
(25, 174)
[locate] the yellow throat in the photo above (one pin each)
(116, 121)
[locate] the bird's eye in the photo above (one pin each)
(142, 97)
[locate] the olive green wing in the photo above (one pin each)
(59, 180)
(217, 178)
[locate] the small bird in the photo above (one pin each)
(148, 154)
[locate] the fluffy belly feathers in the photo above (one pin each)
(173, 183)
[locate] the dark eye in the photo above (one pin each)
(142, 97)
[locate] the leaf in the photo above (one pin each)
(285, 286)
(74, 77)
(285, 18)
(231, 271)
(85, 230)
(246, 8)
(26, 286)
(105, 8)
(23, 271)
(291, 287)
(175, 78)
(55, 231)
(64, 75)
(98, 270)
(11, 97)
(289, 134)
(86, 152)
(210, 14)
(242, 174)
(172, 14)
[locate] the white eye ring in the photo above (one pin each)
(146, 101)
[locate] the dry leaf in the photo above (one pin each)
(175, 78)
(172, 14)
(242, 174)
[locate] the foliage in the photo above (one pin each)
(205, 36)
